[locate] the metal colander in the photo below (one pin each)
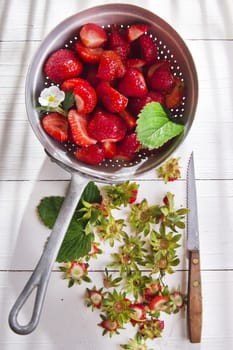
(170, 47)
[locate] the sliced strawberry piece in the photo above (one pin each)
(128, 147)
(93, 154)
(136, 104)
(138, 314)
(130, 120)
(61, 65)
(118, 43)
(135, 63)
(136, 30)
(92, 35)
(87, 54)
(109, 148)
(162, 80)
(159, 303)
(85, 96)
(112, 100)
(174, 99)
(110, 66)
(133, 83)
(156, 65)
(105, 126)
(69, 84)
(148, 48)
(78, 124)
(56, 125)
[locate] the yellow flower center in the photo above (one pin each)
(51, 98)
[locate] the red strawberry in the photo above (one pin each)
(109, 148)
(136, 104)
(156, 65)
(56, 125)
(69, 84)
(61, 65)
(91, 76)
(135, 63)
(112, 100)
(162, 80)
(92, 35)
(159, 303)
(87, 54)
(130, 120)
(127, 148)
(85, 96)
(148, 48)
(110, 66)
(78, 124)
(174, 98)
(138, 314)
(136, 30)
(93, 154)
(133, 83)
(105, 126)
(118, 43)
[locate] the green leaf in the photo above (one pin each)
(90, 194)
(154, 128)
(76, 243)
(68, 101)
(48, 210)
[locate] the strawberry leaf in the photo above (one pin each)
(76, 243)
(68, 101)
(154, 128)
(48, 210)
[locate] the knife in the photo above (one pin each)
(194, 307)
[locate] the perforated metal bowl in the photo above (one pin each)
(171, 47)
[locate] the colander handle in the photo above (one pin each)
(40, 277)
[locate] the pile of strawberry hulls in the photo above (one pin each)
(112, 73)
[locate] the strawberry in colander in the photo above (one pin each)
(112, 74)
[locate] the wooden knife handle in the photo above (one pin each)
(194, 298)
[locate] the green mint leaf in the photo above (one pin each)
(68, 101)
(154, 128)
(76, 243)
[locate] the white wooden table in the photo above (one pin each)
(27, 175)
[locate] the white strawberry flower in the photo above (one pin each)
(51, 97)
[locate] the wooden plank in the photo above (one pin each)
(65, 320)
(21, 228)
(192, 19)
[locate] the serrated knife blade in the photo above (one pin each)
(194, 307)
